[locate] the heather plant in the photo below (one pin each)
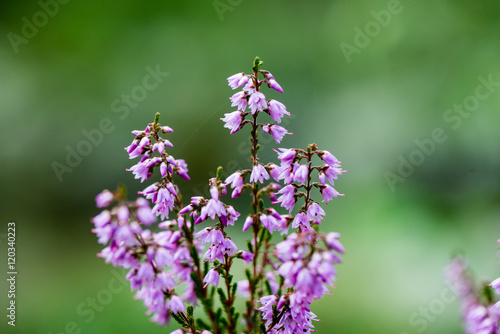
(480, 312)
(186, 260)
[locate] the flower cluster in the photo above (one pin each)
(166, 266)
(481, 315)
(151, 146)
(308, 271)
(297, 175)
(145, 253)
(256, 101)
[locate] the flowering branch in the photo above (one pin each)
(166, 267)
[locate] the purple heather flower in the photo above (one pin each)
(247, 256)
(300, 174)
(259, 173)
(232, 215)
(287, 199)
(213, 208)
(182, 169)
(272, 83)
(176, 304)
(166, 129)
(239, 100)
(496, 285)
(329, 158)
(236, 181)
(244, 288)
(314, 213)
(145, 216)
(122, 213)
(272, 222)
(257, 102)
(104, 199)
(233, 121)
(212, 277)
(301, 220)
(332, 172)
(275, 171)
(140, 171)
(332, 241)
(328, 193)
(237, 80)
(102, 219)
(286, 156)
(248, 223)
(177, 331)
(277, 110)
(276, 131)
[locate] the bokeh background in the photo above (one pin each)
(368, 108)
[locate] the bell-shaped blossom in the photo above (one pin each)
(239, 100)
(233, 121)
(257, 102)
(237, 80)
(276, 131)
(259, 174)
(277, 110)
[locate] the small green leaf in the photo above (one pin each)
(257, 63)
(178, 319)
(261, 204)
(157, 119)
(222, 295)
(219, 172)
(200, 323)
(268, 286)
(250, 247)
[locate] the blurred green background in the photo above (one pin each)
(368, 108)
